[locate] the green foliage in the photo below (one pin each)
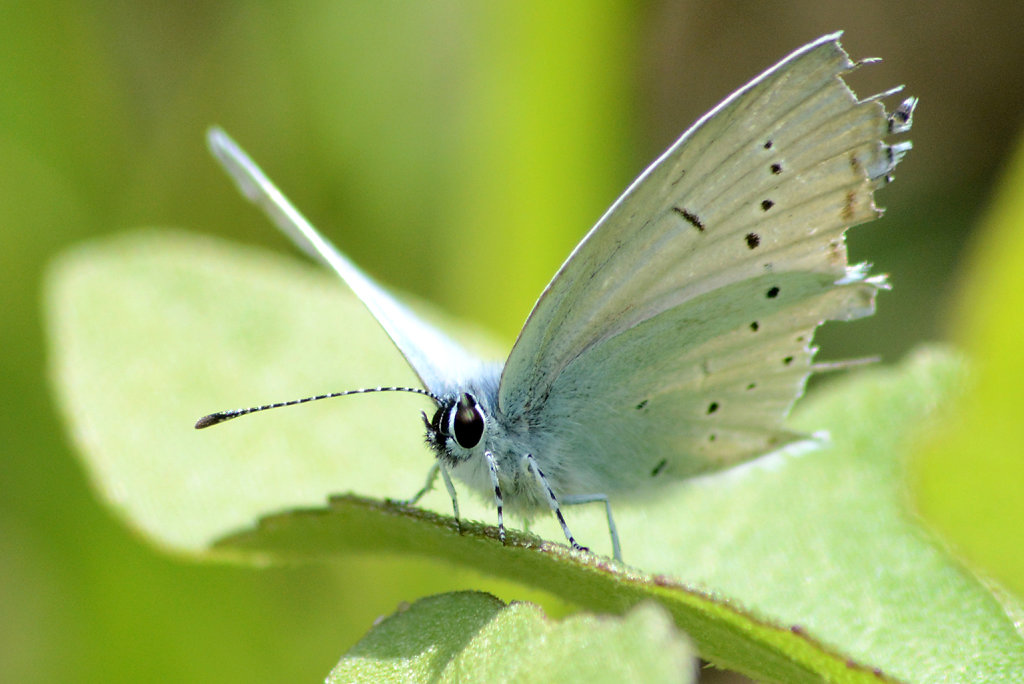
(969, 477)
(474, 637)
(800, 566)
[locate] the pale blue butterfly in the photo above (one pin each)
(677, 335)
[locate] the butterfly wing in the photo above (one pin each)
(680, 326)
(441, 364)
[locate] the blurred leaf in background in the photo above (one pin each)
(458, 150)
(969, 479)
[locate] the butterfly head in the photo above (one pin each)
(457, 428)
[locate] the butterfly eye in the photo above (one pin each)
(467, 423)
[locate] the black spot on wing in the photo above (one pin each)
(690, 218)
(788, 360)
(767, 204)
(659, 467)
(768, 144)
(641, 405)
(755, 326)
(772, 292)
(776, 169)
(712, 407)
(753, 240)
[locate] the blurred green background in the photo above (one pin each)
(457, 150)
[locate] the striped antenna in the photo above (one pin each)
(221, 416)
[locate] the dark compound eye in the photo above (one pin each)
(467, 422)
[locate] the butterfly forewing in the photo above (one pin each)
(441, 364)
(681, 326)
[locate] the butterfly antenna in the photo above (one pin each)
(221, 416)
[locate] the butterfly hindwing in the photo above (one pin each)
(712, 401)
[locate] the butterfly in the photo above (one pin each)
(676, 336)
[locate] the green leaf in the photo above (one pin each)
(801, 566)
(474, 637)
(153, 330)
(968, 478)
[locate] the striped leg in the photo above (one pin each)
(493, 466)
(590, 498)
(531, 464)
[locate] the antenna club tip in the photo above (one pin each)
(212, 419)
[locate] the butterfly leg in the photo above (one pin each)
(451, 492)
(531, 465)
(590, 498)
(427, 486)
(492, 465)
